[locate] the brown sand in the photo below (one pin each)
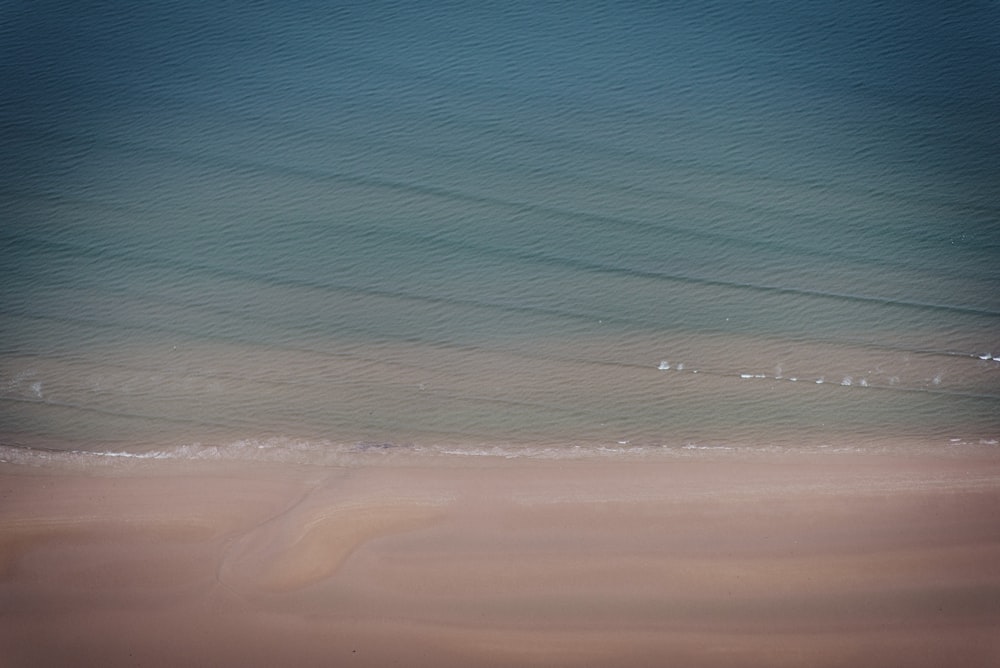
(841, 560)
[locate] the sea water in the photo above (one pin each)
(572, 230)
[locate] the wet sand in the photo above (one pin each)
(770, 560)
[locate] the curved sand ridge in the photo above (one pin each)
(309, 541)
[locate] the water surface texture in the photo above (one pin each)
(576, 227)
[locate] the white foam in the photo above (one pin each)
(664, 365)
(156, 454)
(693, 446)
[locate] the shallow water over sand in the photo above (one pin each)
(655, 227)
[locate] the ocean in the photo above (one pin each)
(322, 231)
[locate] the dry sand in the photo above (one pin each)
(793, 560)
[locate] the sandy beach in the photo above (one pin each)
(470, 335)
(768, 561)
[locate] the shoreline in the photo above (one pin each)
(19, 450)
(773, 560)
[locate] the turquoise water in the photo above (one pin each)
(601, 228)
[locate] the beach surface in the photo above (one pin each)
(766, 560)
(500, 334)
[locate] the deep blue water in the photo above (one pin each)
(590, 225)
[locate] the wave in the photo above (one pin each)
(322, 452)
(146, 259)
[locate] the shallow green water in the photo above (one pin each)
(390, 225)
